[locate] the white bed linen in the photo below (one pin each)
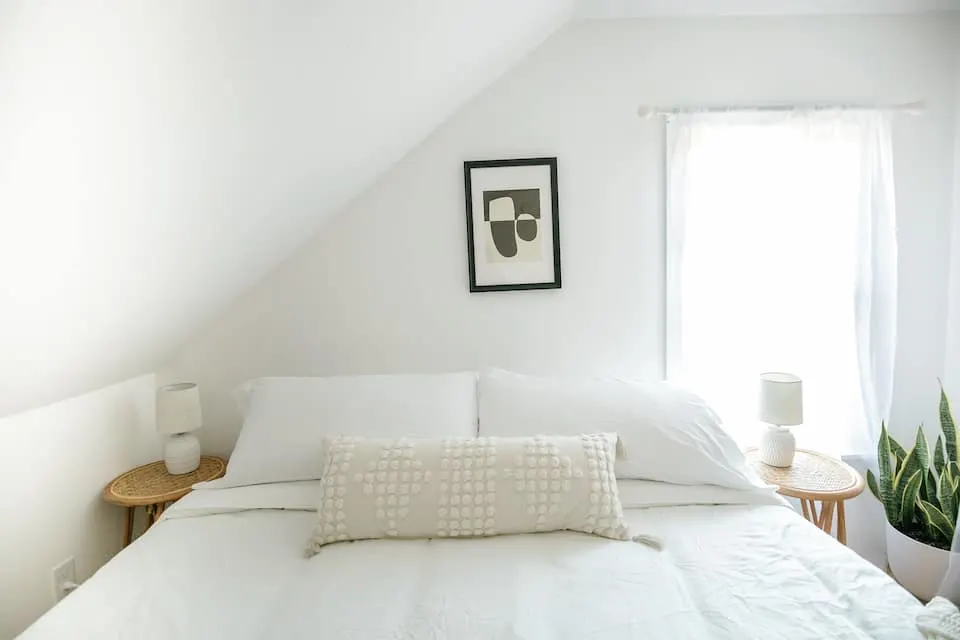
(219, 565)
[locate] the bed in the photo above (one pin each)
(705, 549)
(230, 563)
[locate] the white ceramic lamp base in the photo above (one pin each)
(181, 453)
(777, 446)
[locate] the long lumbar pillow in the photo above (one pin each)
(465, 487)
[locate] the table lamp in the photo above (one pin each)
(781, 406)
(178, 413)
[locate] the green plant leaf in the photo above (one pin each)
(921, 452)
(956, 493)
(897, 450)
(945, 497)
(948, 426)
(921, 449)
(910, 495)
(911, 464)
(890, 506)
(939, 527)
(939, 463)
(930, 488)
(899, 455)
(872, 484)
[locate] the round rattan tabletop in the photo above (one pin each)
(813, 476)
(151, 484)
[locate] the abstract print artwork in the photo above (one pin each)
(513, 237)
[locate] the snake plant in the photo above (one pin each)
(920, 489)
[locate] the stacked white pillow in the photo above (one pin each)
(288, 419)
(667, 434)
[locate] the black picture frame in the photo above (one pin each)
(472, 165)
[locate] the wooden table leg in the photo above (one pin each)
(826, 517)
(841, 523)
(151, 516)
(806, 510)
(128, 528)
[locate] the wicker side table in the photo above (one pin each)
(151, 487)
(814, 477)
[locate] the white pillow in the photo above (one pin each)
(287, 419)
(667, 434)
(460, 487)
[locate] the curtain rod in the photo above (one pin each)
(909, 108)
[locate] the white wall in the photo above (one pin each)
(54, 462)
(383, 287)
(952, 356)
(158, 158)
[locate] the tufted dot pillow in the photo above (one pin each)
(461, 487)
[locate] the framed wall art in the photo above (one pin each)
(513, 231)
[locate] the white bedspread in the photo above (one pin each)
(221, 565)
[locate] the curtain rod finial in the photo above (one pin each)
(914, 108)
(646, 112)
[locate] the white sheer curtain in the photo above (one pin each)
(781, 256)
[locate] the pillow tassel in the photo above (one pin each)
(650, 541)
(621, 453)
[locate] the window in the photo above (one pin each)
(782, 257)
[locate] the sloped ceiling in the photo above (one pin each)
(157, 158)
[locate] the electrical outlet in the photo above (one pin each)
(64, 575)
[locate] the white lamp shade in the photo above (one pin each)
(178, 408)
(781, 399)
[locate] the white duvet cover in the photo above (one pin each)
(230, 564)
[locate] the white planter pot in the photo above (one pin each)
(920, 568)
